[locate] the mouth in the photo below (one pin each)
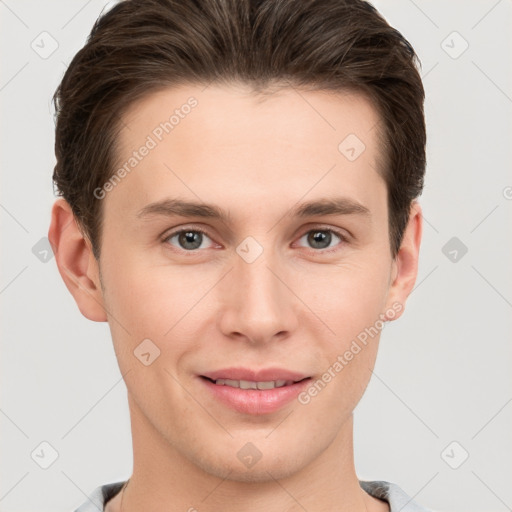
(252, 392)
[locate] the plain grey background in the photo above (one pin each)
(437, 415)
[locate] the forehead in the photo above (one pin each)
(236, 110)
(227, 142)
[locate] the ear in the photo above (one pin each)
(76, 263)
(405, 265)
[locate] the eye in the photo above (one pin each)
(321, 239)
(192, 239)
(188, 239)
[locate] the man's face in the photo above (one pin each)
(262, 288)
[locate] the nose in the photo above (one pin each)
(257, 304)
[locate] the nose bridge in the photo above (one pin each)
(259, 306)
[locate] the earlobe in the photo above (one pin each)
(405, 265)
(75, 261)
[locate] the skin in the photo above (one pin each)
(295, 307)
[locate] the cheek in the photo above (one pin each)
(348, 297)
(135, 299)
(350, 306)
(142, 297)
(155, 303)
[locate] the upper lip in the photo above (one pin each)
(262, 375)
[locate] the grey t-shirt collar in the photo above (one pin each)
(397, 499)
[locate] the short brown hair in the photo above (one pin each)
(141, 46)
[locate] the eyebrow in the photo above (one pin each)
(328, 206)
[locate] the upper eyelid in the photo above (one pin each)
(344, 238)
(174, 232)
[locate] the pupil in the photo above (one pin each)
(317, 238)
(187, 238)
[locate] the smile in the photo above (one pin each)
(254, 392)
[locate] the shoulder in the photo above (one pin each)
(398, 500)
(100, 496)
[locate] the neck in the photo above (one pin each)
(163, 480)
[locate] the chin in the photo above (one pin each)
(263, 471)
(271, 466)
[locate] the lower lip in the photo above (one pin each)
(255, 401)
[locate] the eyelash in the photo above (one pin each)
(341, 236)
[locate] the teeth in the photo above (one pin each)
(248, 384)
(266, 385)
